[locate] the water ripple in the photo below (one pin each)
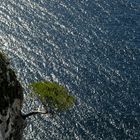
(91, 47)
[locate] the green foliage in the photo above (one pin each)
(53, 95)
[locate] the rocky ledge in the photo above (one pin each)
(11, 99)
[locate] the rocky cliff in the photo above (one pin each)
(11, 98)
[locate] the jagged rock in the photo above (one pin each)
(11, 99)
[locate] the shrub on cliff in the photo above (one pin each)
(54, 97)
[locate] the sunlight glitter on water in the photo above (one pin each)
(91, 47)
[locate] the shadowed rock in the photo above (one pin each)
(11, 98)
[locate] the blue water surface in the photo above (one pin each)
(90, 46)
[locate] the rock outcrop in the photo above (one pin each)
(11, 99)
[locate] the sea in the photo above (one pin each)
(92, 47)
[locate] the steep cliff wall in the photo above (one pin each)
(11, 98)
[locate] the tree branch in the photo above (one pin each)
(24, 116)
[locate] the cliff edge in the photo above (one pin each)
(11, 99)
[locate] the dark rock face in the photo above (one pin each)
(11, 98)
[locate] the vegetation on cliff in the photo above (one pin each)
(54, 97)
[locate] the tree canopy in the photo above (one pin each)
(52, 95)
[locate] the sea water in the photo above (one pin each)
(90, 46)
